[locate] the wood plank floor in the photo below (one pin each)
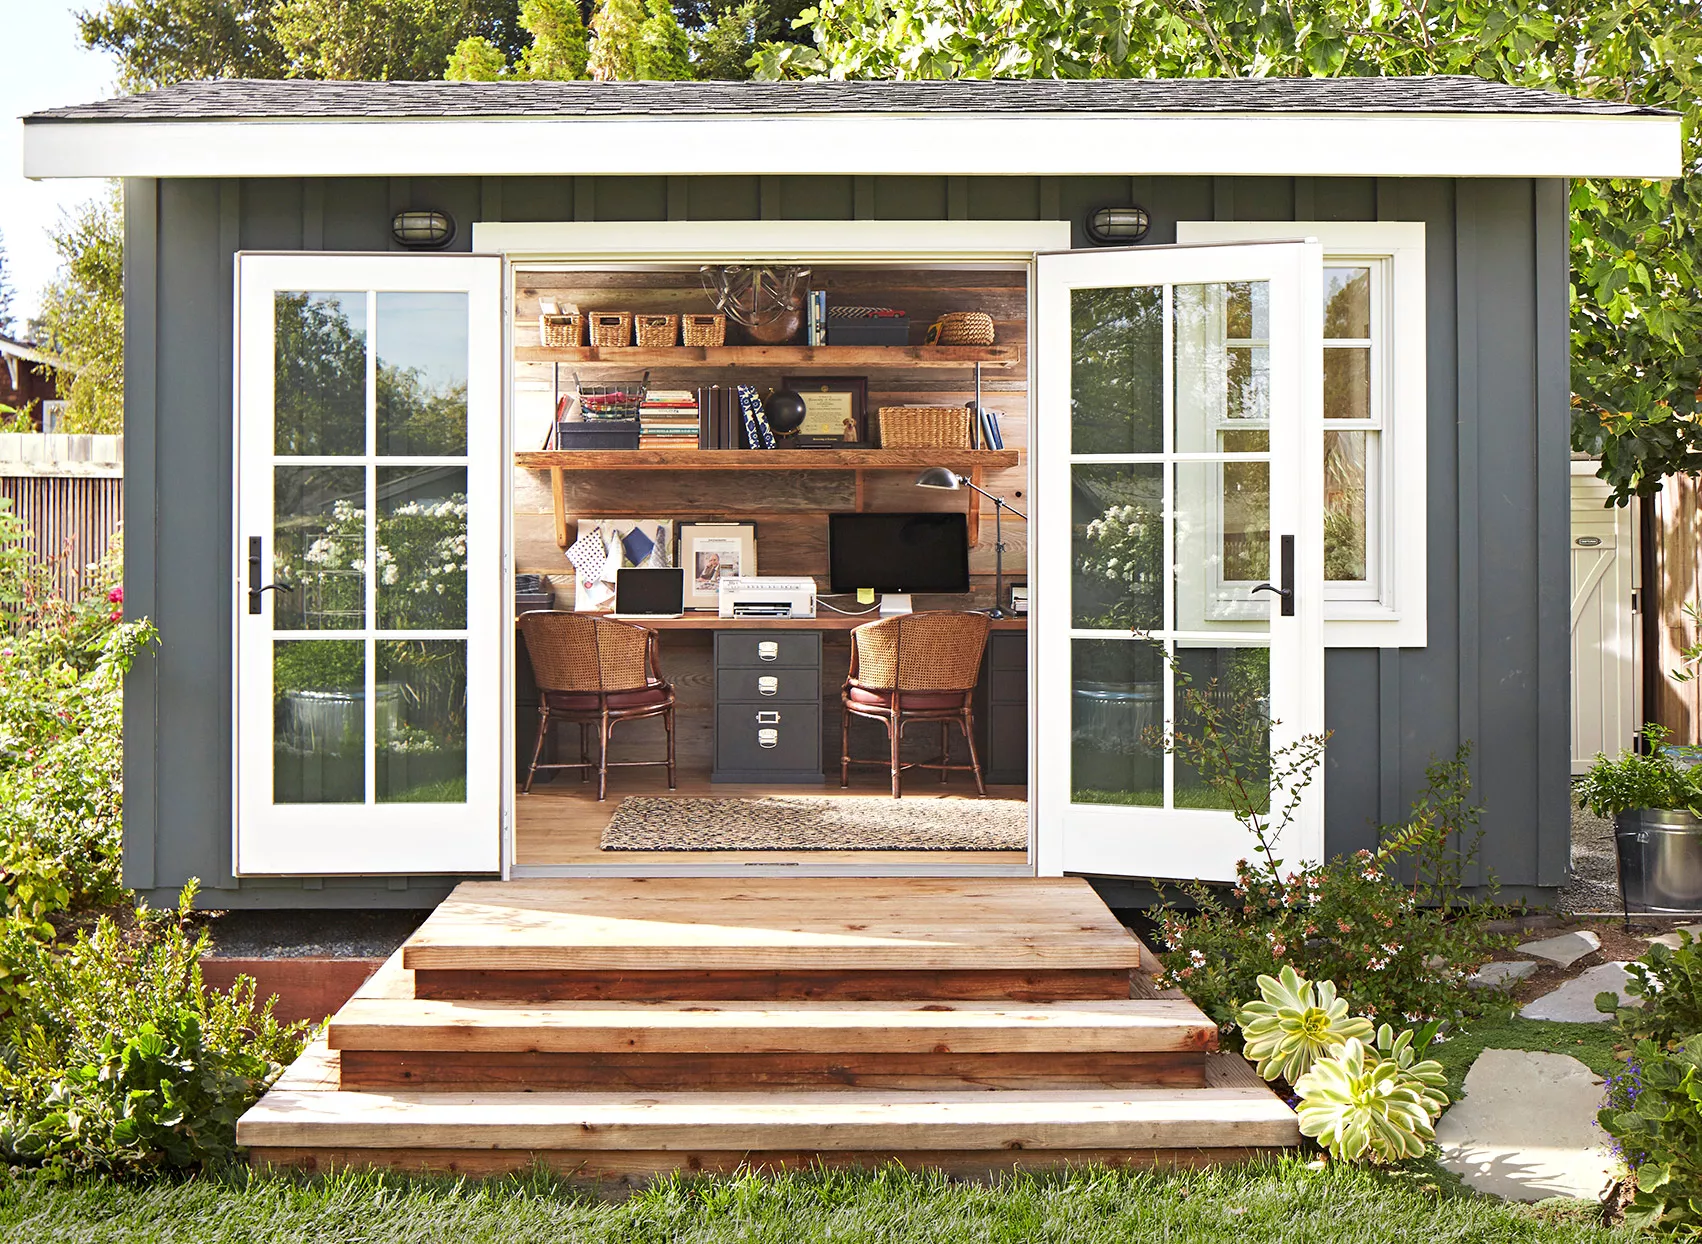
(561, 824)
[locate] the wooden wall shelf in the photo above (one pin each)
(777, 356)
(970, 462)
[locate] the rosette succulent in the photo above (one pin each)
(1359, 1105)
(1295, 1024)
(1423, 1075)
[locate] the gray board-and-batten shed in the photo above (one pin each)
(214, 169)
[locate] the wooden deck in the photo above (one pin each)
(616, 1029)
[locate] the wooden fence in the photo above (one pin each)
(69, 491)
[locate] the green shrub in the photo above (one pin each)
(116, 1058)
(1662, 1133)
(1397, 949)
(1667, 984)
(1640, 780)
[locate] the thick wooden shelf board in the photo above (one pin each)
(765, 459)
(777, 356)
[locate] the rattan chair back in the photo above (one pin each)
(939, 650)
(579, 652)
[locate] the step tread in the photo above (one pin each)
(832, 924)
(770, 1027)
(865, 1120)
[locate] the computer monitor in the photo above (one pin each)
(898, 553)
(646, 592)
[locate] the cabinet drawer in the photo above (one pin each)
(1009, 650)
(1007, 686)
(759, 686)
(742, 746)
(766, 649)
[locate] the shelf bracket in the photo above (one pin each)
(974, 507)
(558, 494)
(859, 493)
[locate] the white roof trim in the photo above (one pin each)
(1230, 144)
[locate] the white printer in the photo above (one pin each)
(759, 597)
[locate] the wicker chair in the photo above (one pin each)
(919, 667)
(597, 672)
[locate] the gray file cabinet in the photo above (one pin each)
(767, 706)
(1001, 709)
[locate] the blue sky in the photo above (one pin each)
(46, 65)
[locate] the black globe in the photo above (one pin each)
(785, 411)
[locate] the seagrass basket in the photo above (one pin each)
(656, 331)
(704, 330)
(962, 328)
(924, 427)
(610, 328)
(560, 330)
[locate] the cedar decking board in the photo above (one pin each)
(767, 1023)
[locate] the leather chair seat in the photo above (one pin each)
(586, 701)
(913, 701)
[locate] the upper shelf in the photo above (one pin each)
(765, 459)
(777, 356)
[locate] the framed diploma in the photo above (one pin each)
(835, 411)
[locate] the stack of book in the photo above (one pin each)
(668, 420)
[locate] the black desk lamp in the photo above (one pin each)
(940, 477)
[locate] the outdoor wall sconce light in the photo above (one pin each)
(423, 231)
(1117, 226)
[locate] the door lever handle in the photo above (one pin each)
(1286, 591)
(255, 591)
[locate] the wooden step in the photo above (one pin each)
(605, 1134)
(405, 1043)
(766, 938)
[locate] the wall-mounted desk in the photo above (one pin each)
(823, 621)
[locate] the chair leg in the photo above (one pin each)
(538, 747)
(895, 732)
(945, 752)
(603, 758)
(668, 725)
(584, 752)
(844, 747)
(968, 724)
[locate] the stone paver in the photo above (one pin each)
(1575, 1001)
(1526, 1128)
(1564, 950)
(1672, 939)
(1501, 975)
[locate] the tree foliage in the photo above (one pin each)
(82, 316)
(1636, 253)
(162, 41)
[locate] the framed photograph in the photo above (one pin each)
(836, 414)
(711, 552)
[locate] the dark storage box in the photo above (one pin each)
(870, 332)
(533, 591)
(597, 434)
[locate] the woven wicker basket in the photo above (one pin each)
(962, 328)
(656, 331)
(610, 328)
(560, 331)
(924, 427)
(704, 330)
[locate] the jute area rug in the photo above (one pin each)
(817, 823)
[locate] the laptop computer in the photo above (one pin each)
(645, 592)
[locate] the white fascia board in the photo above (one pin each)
(962, 144)
(802, 240)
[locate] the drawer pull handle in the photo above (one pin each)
(768, 650)
(768, 738)
(768, 717)
(768, 684)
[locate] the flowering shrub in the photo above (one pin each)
(420, 551)
(1120, 568)
(1658, 1131)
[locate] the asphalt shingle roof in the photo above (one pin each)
(242, 99)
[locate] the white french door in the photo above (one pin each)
(1177, 460)
(369, 588)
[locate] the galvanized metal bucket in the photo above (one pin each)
(1660, 860)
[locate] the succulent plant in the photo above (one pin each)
(1423, 1075)
(1357, 1104)
(1295, 1024)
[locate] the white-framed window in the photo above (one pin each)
(1374, 415)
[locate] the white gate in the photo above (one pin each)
(1604, 624)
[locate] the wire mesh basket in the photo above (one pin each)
(612, 399)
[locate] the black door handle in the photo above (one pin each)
(1286, 591)
(256, 592)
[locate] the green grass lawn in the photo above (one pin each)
(1270, 1201)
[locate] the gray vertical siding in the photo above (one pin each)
(1495, 670)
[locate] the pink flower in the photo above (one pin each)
(117, 615)
(116, 596)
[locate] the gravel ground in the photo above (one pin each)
(310, 934)
(1595, 868)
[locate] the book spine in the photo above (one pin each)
(705, 420)
(749, 411)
